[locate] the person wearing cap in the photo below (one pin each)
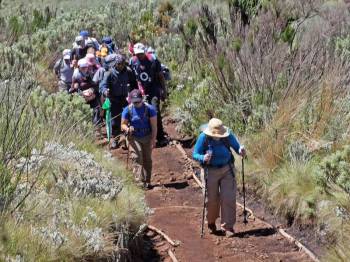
(89, 41)
(83, 84)
(93, 64)
(117, 82)
(108, 46)
(151, 80)
(64, 71)
(213, 151)
(79, 50)
(139, 121)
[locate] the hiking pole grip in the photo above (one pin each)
(245, 213)
(204, 199)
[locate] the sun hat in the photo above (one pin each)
(83, 63)
(139, 48)
(90, 59)
(135, 96)
(216, 128)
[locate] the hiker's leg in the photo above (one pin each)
(228, 199)
(96, 117)
(147, 158)
(136, 156)
(213, 197)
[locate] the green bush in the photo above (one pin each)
(335, 168)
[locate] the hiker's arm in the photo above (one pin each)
(56, 68)
(236, 145)
(198, 151)
(103, 87)
(153, 121)
(125, 125)
(132, 80)
(162, 85)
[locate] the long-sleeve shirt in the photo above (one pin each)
(118, 83)
(221, 155)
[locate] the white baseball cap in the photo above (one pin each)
(139, 48)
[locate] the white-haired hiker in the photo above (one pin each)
(212, 150)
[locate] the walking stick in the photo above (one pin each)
(205, 196)
(245, 213)
(128, 155)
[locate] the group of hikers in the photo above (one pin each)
(100, 71)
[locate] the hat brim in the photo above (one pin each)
(139, 51)
(66, 57)
(136, 100)
(209, 133)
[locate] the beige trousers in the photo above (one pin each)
(141, 156)
(221, 196)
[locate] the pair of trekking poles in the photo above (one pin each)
(245, 212)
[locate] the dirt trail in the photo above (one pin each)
(176, 201)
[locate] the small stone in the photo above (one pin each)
(173, 179)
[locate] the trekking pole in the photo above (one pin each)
(128, 155)
(204, 199)
(245, 213)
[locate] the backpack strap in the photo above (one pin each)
(224, 140)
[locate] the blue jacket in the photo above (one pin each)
(221, 154)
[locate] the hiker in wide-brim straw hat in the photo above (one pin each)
(213, 151)
(215, 128)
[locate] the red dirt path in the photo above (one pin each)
(176, 201)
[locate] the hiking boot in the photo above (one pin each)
(162, 142)
(212, 228)
(229, 233)
(147, 186)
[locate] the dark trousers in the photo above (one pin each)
(96, 111)
(118, 104)
(154, 100)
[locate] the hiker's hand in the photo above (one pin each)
(106, 93)
(242, 152)
(207, 158)
(130, 130)
(75, 63)
(153, 143)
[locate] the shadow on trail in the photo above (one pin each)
(259, 232)
(149, 250)
(175, 185)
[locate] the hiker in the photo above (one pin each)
(93, 64)
(107, 46)
(151, 81)
(139, 121)
(83, 84)
(64, 71)
(213, 151)
(79, 50)
(164, 69)
(117, 82)
(89, 41)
